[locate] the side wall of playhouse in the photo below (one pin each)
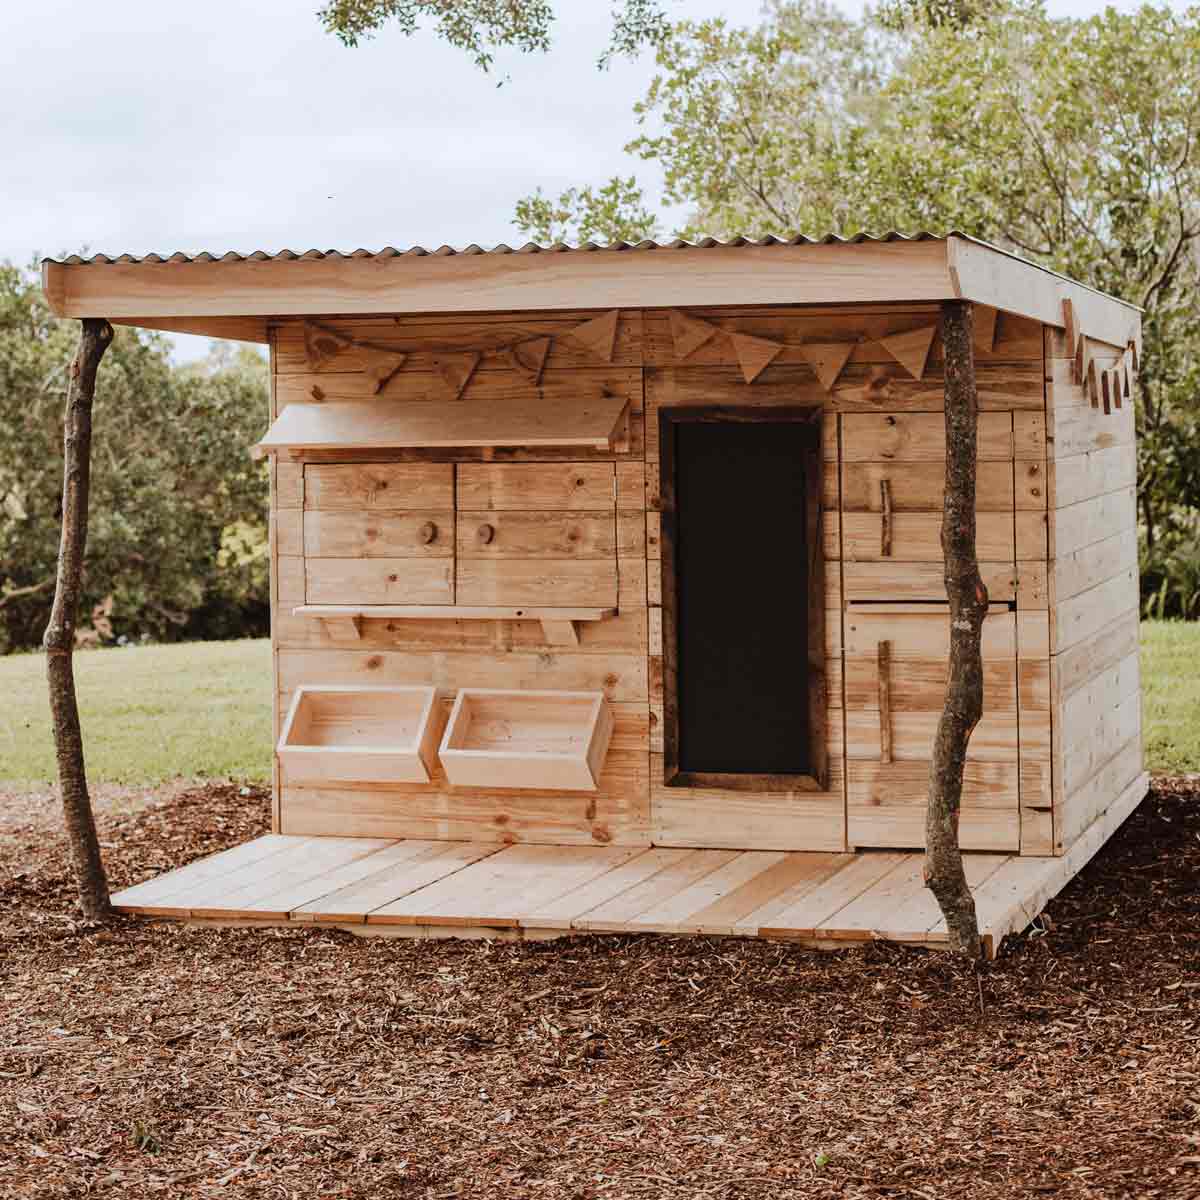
(1060, 738)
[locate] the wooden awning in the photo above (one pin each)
(239, 296)
(589, 423)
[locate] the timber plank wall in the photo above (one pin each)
(1060, 738)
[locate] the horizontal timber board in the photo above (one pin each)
(1113, 641)
(558, 390)
(921, 686)
(859, 389)
(886, 804)
(423, 339)
(1091, 520)
(1076, 619)
(994, 738)
(1018, 340)
(1076, 812)
(718, 817)
(915, 537)
(923, 635)
(379, 580)
(918, 437)
(1080, 476)
(1077, 571)
(619, 676)
(358, 486)
(523, 486)
(499, 817)
(921, 488)
(881, 580)
(536, 581)
(378, 533)
(538, 533)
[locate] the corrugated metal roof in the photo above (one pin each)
(529, 248)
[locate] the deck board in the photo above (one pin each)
(426, 863)
(442, 888)
(295, 870)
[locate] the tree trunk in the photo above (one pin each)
(968, 606)
(59, 639)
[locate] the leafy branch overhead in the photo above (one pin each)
(481, 27)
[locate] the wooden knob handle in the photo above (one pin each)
(428, 532)
(485, 533)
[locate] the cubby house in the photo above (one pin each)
(607, 582)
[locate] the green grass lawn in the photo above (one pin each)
(152, 713)
(149, 713)
(1171, 695)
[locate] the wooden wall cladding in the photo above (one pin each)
(1057, 537)
(1096, 735)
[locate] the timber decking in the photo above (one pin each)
(432, 888)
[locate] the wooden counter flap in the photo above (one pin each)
(591, 423)
(362, 733)
(526, 739)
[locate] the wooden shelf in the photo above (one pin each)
(375, 734)
(557, 623)
(591, 423)
(519, 739)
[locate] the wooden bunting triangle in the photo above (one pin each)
(322, 344)
(985, 328)
(1071, 325)
(688, 333)
(1079, 362)
(1091, 382)
(827, 359)
(911, 350)
(599, 334)
(381, 366)
(753, 354)
(530, 358)
(1127, 372)
(1117, 378)
(1106, 390)
(456, 370)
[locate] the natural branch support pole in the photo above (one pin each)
(59, 640)
(968, 606)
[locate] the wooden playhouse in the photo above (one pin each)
(607, 583)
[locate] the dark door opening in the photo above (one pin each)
(743, 611)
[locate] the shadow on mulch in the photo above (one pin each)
(146, 1058)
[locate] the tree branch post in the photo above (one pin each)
(968, 597)
(95, 337)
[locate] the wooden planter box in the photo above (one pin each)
(369, 734)
(517, 739)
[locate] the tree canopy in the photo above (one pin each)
(177, 536)
(481, 27)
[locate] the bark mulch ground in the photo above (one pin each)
(148, 1059)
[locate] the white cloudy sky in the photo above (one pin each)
(139, 125)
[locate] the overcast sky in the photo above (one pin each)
(139, 125)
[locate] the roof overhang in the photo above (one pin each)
(238, 297)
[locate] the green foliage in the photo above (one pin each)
(150, 713)
(1075, 143)
(480, 27)
(172, 482)
(1170, 571)
(616, 212)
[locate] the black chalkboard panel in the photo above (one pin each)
(742, 596)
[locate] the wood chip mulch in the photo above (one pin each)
(144, 1059)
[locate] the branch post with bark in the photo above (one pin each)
(95, 337)
(963, 706)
